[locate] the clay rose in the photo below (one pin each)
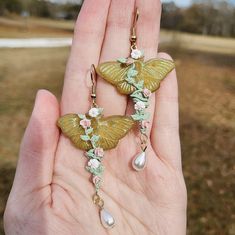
(85, 123)
(96, 179)
(99, 152)
(145, 124)
(147, 92)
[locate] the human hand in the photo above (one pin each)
(51, 193)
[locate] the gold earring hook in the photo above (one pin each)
(137, 13)
(93, 80)
(133, 38)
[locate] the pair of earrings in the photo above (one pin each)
(95, 133)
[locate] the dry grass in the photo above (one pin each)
(198, 42)
(22, 73)
(207, 127)
(207, 107)
(17, 27)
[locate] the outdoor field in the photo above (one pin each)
(207, 107)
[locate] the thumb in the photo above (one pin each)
(37, 151)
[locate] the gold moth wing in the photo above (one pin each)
(154, 71)
(110, 129)
(70, 126)
(115, 73)
(151, 72)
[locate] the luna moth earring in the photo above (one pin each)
(139, 79)
(95, 133)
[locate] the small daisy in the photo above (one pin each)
(140, 105)
(94, 112)
(136, 54)
(93, 163)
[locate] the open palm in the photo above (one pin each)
(52, 193)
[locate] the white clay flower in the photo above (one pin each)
(136, 54)
(93, 163)
(147, 92)
(85, 123)
(139, 105)
(99, 152)
(94, 112)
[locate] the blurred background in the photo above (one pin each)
(35, 35)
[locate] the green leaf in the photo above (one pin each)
(100, 110)
(137, 92)
(140, 116)
(94, 138)
(90, 153)
(88, 131)
(139, 96)
(122, 60)
(132, 72)
(81, 116)
(142, 52)
(130, 80)
(99, 171)
(146, 116)
(140, 85)
(137, 117)
(91, 170)
(85, 137)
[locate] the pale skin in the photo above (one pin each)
(52, 192)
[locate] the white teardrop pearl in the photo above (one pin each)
(107, 219)
(139, 161)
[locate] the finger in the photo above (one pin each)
(148, 28)
(86, 47)
(35, 165)
(165, 131)
(116, 45)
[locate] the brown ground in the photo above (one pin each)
(207, 124)
(18, 27)
(207, 107)
(199, 42)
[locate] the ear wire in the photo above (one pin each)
(93, 80)
(133, 38)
